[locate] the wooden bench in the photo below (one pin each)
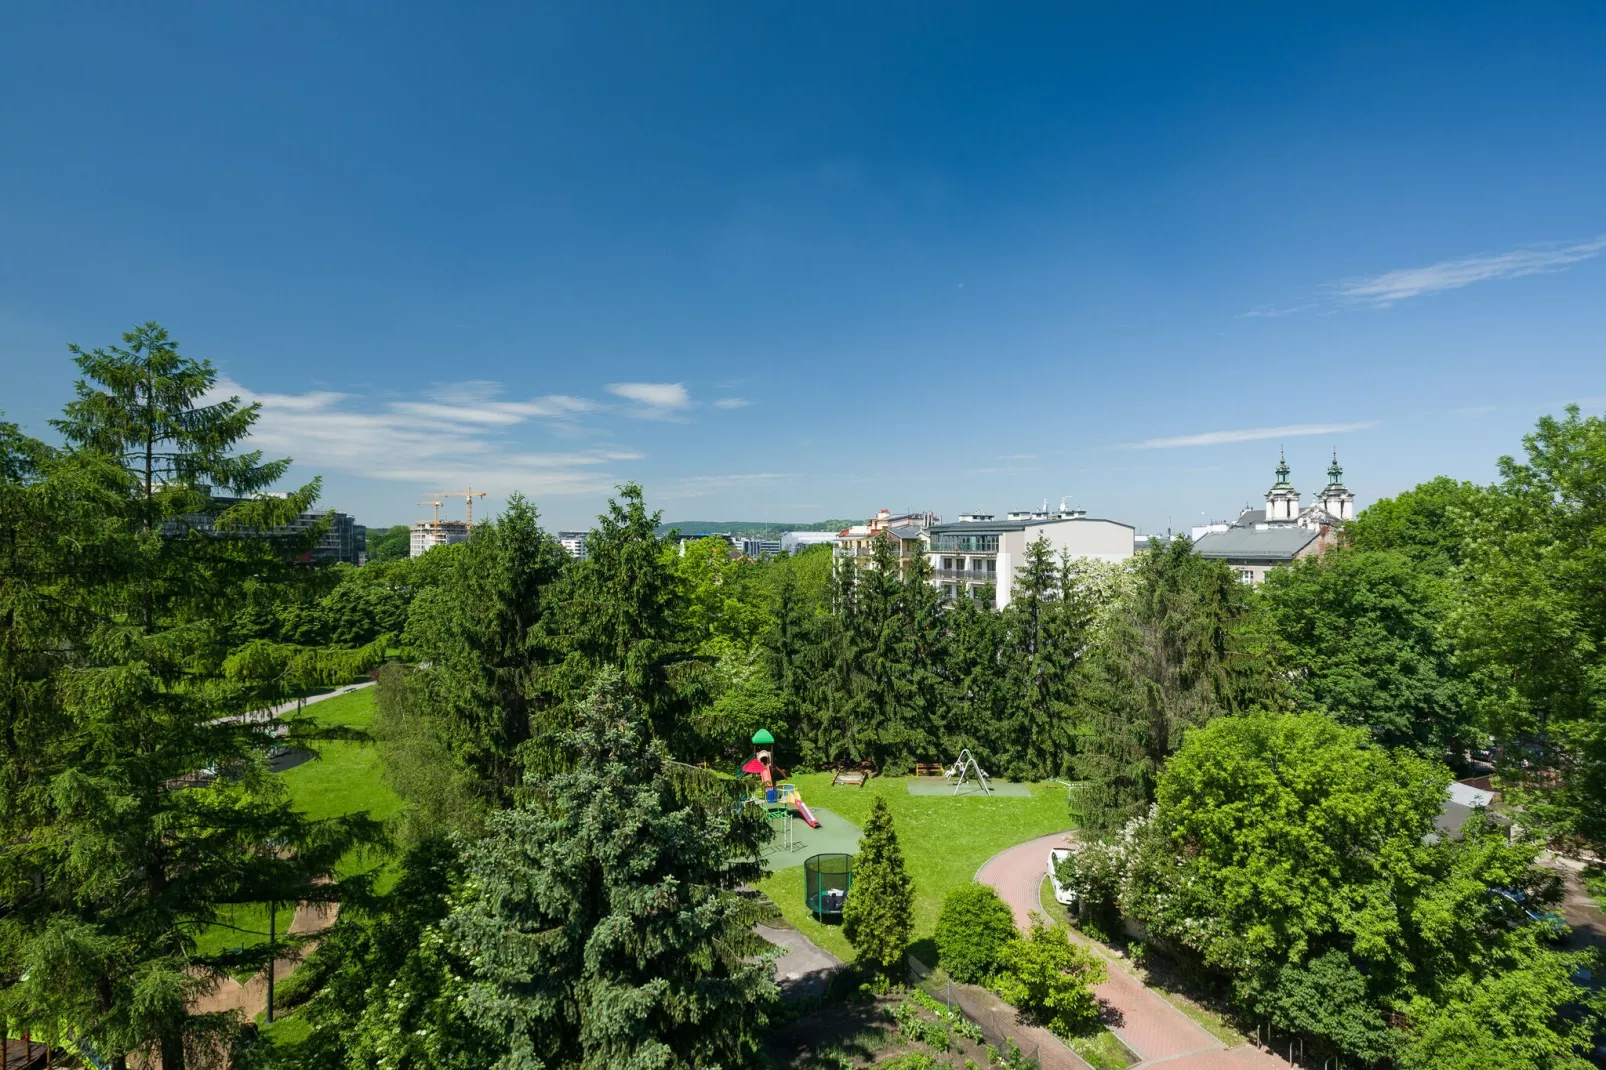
(930, 769)
(856, 779)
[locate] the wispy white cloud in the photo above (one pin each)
(1251, 434)
(461, 439)
(1404, 283)
(1273, 311)
(732, 403)
(653, 401)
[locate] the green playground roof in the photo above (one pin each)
(763, 736)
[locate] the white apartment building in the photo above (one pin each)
(979, 550)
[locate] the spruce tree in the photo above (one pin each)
(161, 810)
(1169, 659)
(487, 635)
(600, 915)
(623, 607)
(878, 917)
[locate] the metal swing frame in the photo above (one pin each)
(964, 765)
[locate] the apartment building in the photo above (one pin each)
(906, 532)
(979, 551)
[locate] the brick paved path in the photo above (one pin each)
(1157, 1032)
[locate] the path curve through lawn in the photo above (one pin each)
(1156, 1031)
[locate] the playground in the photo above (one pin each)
(945, 839)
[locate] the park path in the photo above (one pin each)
(1157, 1032)
(251, 998)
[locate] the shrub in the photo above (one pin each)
(972, 928)
(1047, 976)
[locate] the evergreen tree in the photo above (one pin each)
(1167, 660)
(878, 917)
(161, 811)
(487, 636)
(600, 917)
(623, 608)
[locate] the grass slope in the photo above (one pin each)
(345, 778)
(945, 840)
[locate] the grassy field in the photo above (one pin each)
(345, 779)
(945, 840)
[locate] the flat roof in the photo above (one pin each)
(993, 527)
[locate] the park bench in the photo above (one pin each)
(930, 769)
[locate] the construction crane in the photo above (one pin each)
(468, 497)
(436, 502)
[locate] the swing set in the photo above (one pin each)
(965, 765)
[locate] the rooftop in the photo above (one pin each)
(1280, 543)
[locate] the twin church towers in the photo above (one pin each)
(1282, 500)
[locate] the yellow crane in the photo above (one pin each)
(436, 502)
(468, 497)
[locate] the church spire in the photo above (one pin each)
(1282, 500)
(1335, 474)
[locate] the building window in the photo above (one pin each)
(992, 564)
(1247, 575)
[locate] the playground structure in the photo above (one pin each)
(965, 765)
(776, 797)
(827, 878)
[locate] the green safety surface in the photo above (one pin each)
(923, 785)
(836, 835)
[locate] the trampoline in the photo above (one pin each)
(826, 881)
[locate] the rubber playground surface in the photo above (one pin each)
(943, 786)
(836, 835)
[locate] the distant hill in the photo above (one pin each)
(752, 527)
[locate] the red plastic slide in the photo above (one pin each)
(803, 812)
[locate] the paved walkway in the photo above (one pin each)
(1156, 1031)
(803, 966)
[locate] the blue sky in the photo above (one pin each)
(786, 262)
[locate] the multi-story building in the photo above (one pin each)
(428, 534)
(1262, 539)
(573, 543)
(755, 547)
(905, 531)
(342, 538)
(979, 551)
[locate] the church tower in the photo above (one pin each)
(1282, 500)
(1335, 499)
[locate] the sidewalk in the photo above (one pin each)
(1156, 1031)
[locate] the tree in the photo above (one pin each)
(1364, 636)
(623, 607)
(1168, 658)
(160, 812)
(1531, 623)
(1430, 523)
(1047, 976)
(972, 928)
(1296, 859)
(599, 916)
(389, 544)
(878, 916)
(489, 639)
(382, 988)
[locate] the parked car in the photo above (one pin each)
(1552, 924)
(1063, 895)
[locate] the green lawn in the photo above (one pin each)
(346, 778)
(945, 840)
